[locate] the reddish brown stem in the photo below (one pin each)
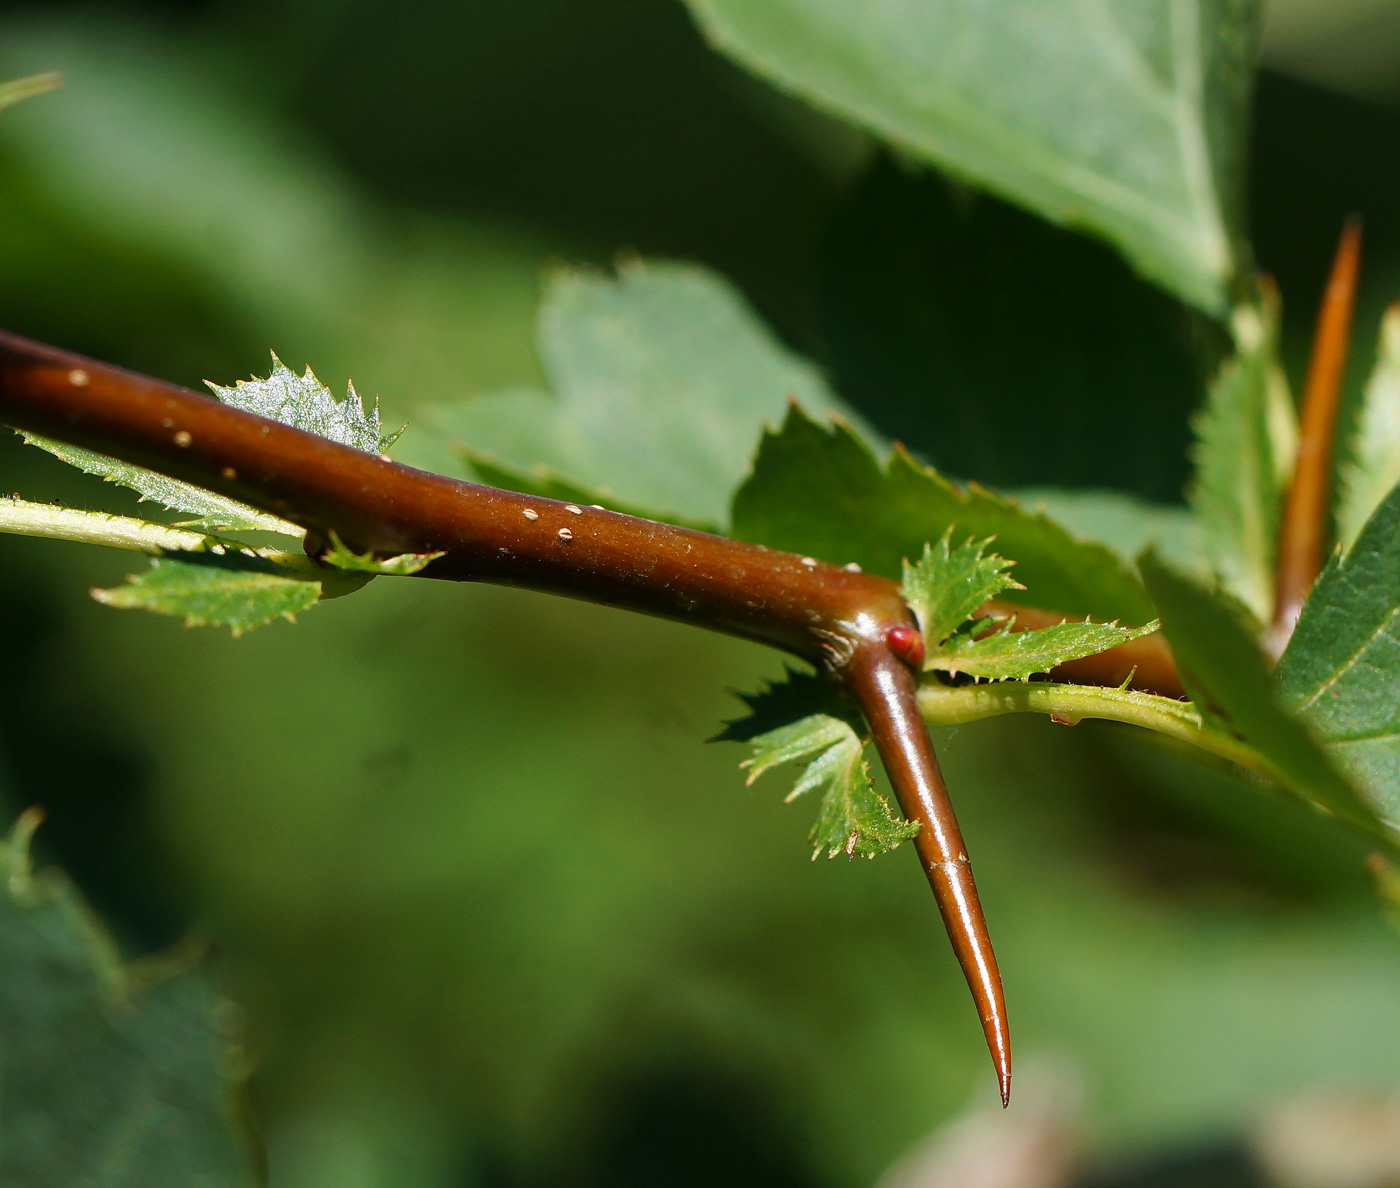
(1303, 530)
(830, 616)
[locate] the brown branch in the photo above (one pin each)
(1303, 529)
(854, 626)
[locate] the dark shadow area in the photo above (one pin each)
(1000, 347)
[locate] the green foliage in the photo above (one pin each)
(947, 586)
(945, 589)
(798, 695)
(1244, 455)
(113, 1076)
(1341, 671)
(853, 819)
(1125, 120)
(1004, 653)
(1228, 679)
(820, 491)
(232, 591)
(402, 565)
(301, 401)
(304, 402)
(661, 379)
(1373, 467)
(214, 512)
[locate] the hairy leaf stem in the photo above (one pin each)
(945, 705)
(1303, 530)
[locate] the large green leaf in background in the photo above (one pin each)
(105, 1082)
(1341, 671)
(1227, 677)
(662, 379)
(820, 491)
(1125, 118)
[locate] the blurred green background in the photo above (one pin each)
(493, 913)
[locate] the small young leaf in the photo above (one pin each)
(1242, 456)
(300, 401)
(947, 586)
(304, 402)
(1341, 671)
(399, 566)
(109, 1079)
(232, 591)
(1374, 466)
(1227, 676)
(214, 512)
(818, 490)
(1006, 654)
(853, 818)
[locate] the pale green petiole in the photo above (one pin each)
(944, 705)
(23, 518)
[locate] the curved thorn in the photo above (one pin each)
(884, 686)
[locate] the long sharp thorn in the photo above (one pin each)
(1305, 511)
(884, 686)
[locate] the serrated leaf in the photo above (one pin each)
(947, 585)
(106, 1081)
(1373, 468)
(853, 818)
(300, 401)
(1243, 454)
(304, 402)
(17, 89)
(1126, 119)
(1007, 654)
(1341, 671)
(1228, 678)
(401, 565)
(818, 490)
(214, 512)
(661, 380)
(798, 695)
(236, 592)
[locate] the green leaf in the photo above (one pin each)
(1126, 118)
(818, 490)
(109, 1078)
(214, 512)
(301, 401)
(661, 379)
(1341, 671)
(1244, 452)
(401, 565)
(18, 89)
(853, 818)
(304, 402)
(1374, 466)
(1007, 654)
(1227, 676)
(233, 591)
(947, 586)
